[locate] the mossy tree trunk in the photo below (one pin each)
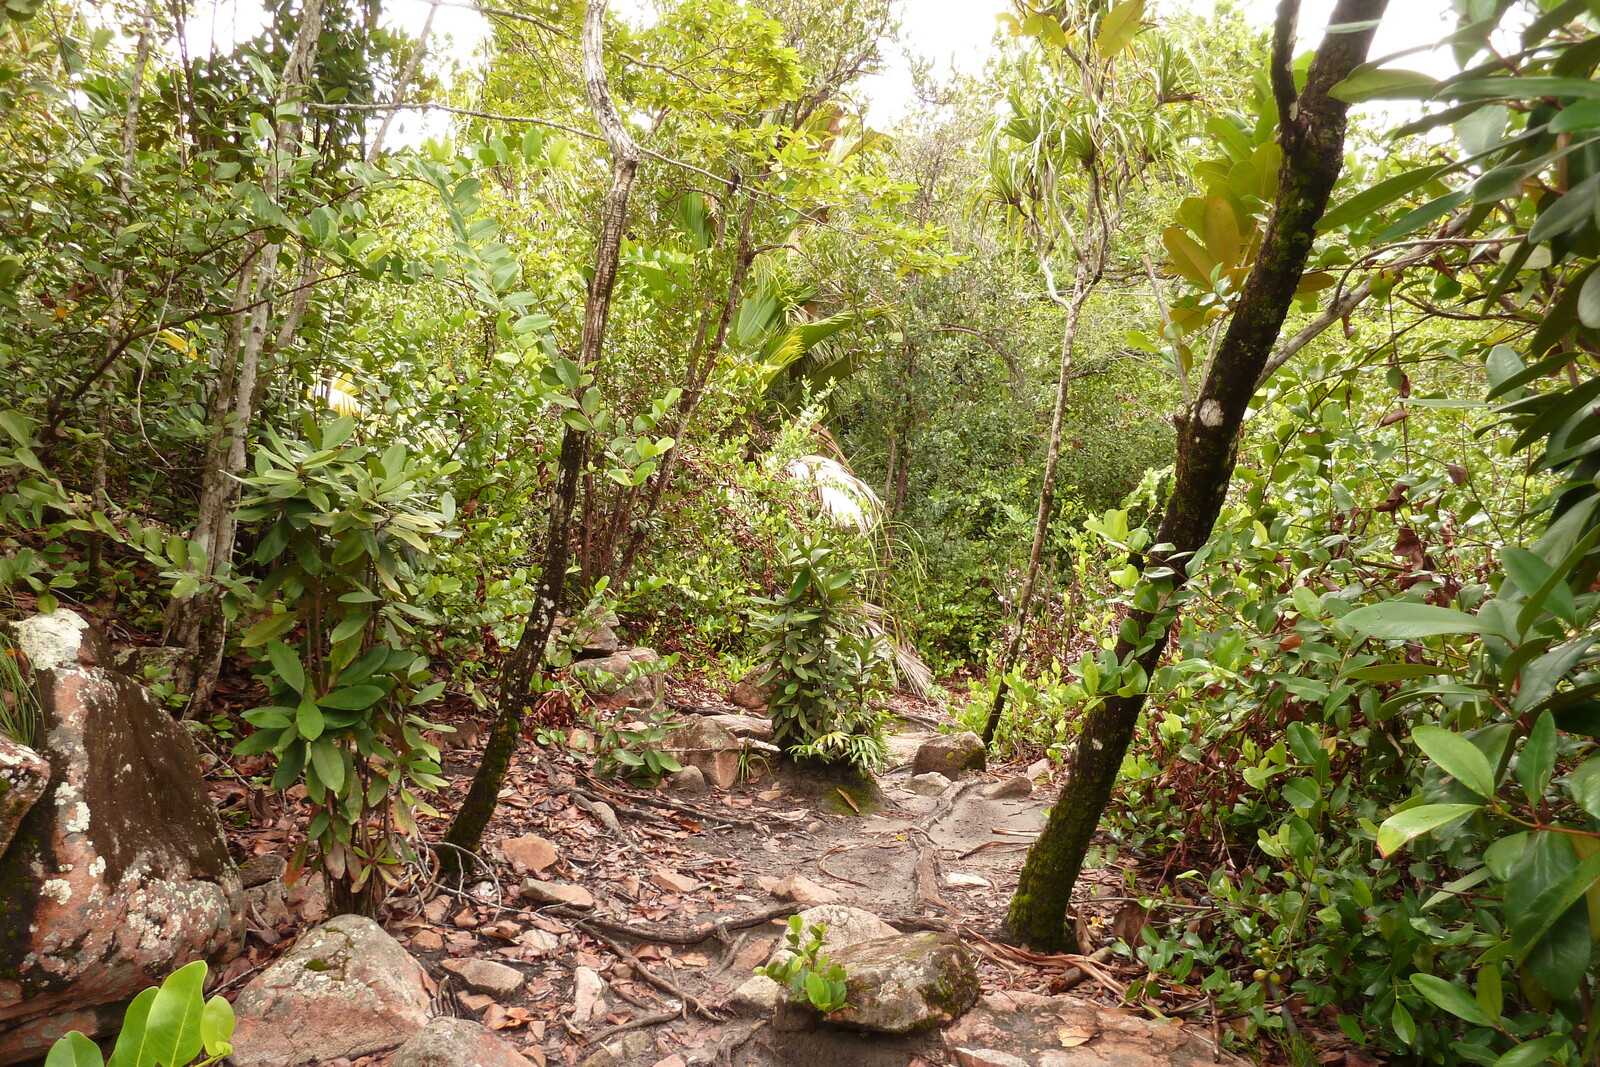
(520, 668)
(1311, 132)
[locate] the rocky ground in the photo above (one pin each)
(617, 925)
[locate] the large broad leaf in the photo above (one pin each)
(173, 1026)
(1549, 930)
(1536, 1052)
(286, 662)
(1398, 829)
(1457, 757)
(1451, 998)
(1405, 620)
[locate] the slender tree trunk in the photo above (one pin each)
(194, 622)
(1081, 291)
(520, 668)
(1311, 132)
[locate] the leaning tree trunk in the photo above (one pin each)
(1312, 128)
(518, 672)
(194, 622)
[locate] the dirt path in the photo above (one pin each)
(683, 909)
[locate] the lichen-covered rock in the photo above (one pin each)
(457, 1043)
(24, 776)
(760, 995)
(909, 982)
(608, 677)
(950, 755)
(345, 989)
(119, 874)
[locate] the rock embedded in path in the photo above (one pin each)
(929, 784)
(541, 892)
(1035, 1029)
(906, 983)
(118, 874)
(485, 976)
(528, 854)
(744, 727)
(457, 1043)
(690, 781)
(588, 995)
(951, 755)
(345, 989)
(1016, 786)
(798, 888)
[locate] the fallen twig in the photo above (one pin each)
(634, 1024)
(947, 802)
(689, 1000)
(678, 935)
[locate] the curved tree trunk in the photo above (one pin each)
(1312, 127)
(521, 667)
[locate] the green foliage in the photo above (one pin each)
(825, 665)
(170, 1025)
(346, 531)
(19, 704)
(806, 969)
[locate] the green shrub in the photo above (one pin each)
(825, 664)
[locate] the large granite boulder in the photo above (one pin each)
(950, 755)
(345, 989)
(120, 874)
(750, 694)
(905, 983)
(617, 678)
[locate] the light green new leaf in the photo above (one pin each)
(1398, 829)
(132, 1049)
(1451, 998)
(173, 1026)
(1584, 785)
(74, 1050)
(1533, 1053)
(1120, 27)
(1457, 757)
(216, 1027)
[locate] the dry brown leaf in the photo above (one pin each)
(1073, 1036)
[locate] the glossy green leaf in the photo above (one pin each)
(1402, 827)
(1457, 757)
(286, 663)
(1534, 1053)
(132, 1049)
(1368, 83)
(1538, 759)
(328, 762)
(1451, 998)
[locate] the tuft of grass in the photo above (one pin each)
(19, 705)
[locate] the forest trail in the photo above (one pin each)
(678, 898)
